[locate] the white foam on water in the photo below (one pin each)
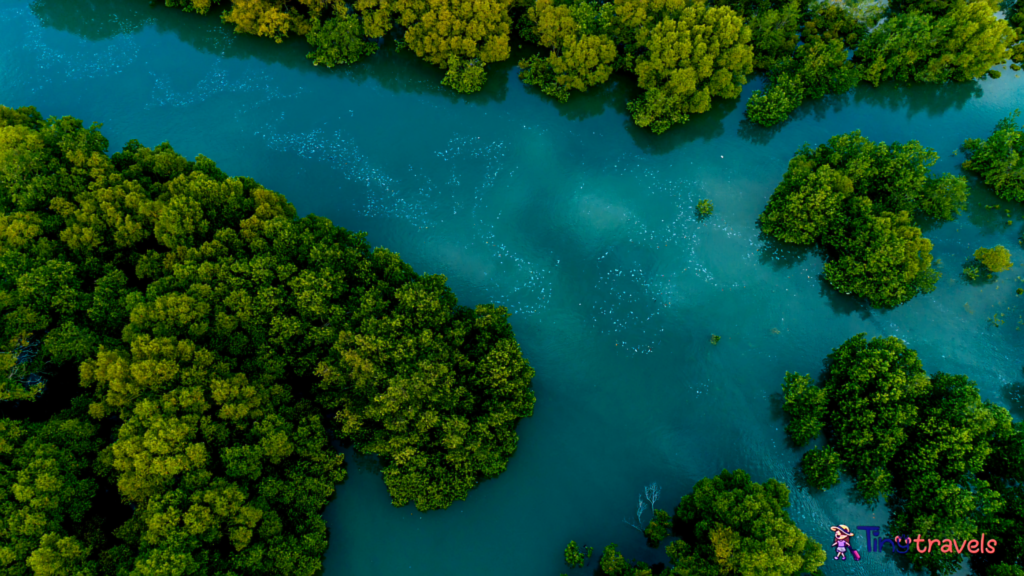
(518, 282)
(82, 59)
(217, 82)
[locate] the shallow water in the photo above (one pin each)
(579, 223)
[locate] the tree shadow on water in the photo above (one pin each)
(818, 109)
(932, 99)
(982, 211)
(776, 407)
(95, 20)
(783, 255)
(845, 304)
(706, 126)
(1013, 395)
(611, 95)
(756, 134)
(400, 72)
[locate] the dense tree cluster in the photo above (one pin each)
(943, 460)
(683, 53)
(934, 41)
(997, 160)
(214, 334)
(50, 490)
(459, 36)
(858, 198)
(816, 69)
(959, 45)
(729, 524)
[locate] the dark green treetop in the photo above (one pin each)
(215, 333)
(998, 159)
(728, 524)
(858, 198)
(944, 461)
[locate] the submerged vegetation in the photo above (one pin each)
(180, 349)
(682, 53)
(944, 461)
(858, 199)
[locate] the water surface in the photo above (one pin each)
(578, 222)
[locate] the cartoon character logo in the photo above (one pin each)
(842, 536)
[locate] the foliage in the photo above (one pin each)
(940, 457)
(834, 22)
(996, 259)
(338, 41)
(821, 467)
(48, 488)
(715, 339)
(265, 18)
(578, 59)
(387, 397)
(197, 6)
(460, 36)
(884, 257)
(824, 68)
(658, 528)
(684, 54)
(998, 159)
(959, 46)
(805, 406)
(705, 208)
(464, 76)
(728, 524)
(774, 34)
(858, 198)
(768, 108)
(203, 318)
(932, 7)
(574, 554)
(1006, 570)
(613, 563)
(817, 69)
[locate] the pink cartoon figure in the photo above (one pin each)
(842, 542)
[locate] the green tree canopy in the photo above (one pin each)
(858, 198)
(996, 259)
(943, 460)
(684, 55)
(959, 46)
(339, 40)
(578, 58)
(998, 159)
(728, 524)
(817, 69)
(215, 333)
(49, 479)
(733, 525)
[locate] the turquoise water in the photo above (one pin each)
(583, 226)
